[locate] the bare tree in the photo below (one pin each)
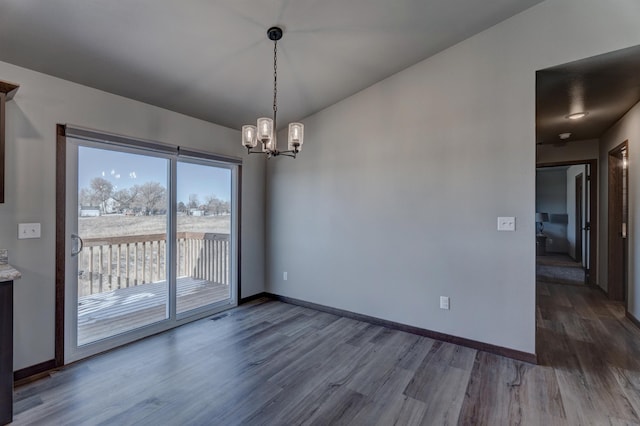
(194, 202)
(216, 206)
(125, 198)
(150, 196)
(102, 190)
(85, 197)
(225, 207)
(210, 204)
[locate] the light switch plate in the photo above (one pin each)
(506, 224)
(444, 302)
(28, 230)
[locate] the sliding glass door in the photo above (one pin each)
(203, 235)
(150, 245)
(123, 225)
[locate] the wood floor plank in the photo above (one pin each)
(401, 410)
(440, 382)
(306, 394)
(629, 382)
(502, 388)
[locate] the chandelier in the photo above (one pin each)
(265, 130)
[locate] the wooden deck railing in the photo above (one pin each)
(107, 264)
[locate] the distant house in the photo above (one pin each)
(196, 212)
(89, 211)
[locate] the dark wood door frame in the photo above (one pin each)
(592, 178)
(578, 217)
(617, 184)
(7, 91)
(61, 214)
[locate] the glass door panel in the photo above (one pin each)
(122, 205)
(203, 243)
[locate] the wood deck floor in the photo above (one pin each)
(113, 312)
(270, 363)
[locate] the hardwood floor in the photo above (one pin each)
(559, 269)
(272, 363)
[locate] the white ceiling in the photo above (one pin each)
(212, 59)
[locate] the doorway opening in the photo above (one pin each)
(566, 216)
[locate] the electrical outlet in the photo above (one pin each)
(444, 302)
(284, 276)
(28, 230)
(506, 224)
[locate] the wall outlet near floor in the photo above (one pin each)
(444, 302)
(284, 276)
(28, 230)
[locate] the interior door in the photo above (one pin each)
(617, 223)
(587, 241)
(579, 225)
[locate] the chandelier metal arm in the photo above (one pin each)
(289, 153)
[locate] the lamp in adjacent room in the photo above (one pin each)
(540, 219)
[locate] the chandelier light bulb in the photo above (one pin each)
(249, 136)
(296, 136)
(265, 129)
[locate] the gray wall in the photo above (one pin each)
(572, 173)
(628, 128)
(551, 198)
(42, 102)
(394, 200)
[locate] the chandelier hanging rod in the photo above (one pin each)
(266, 128)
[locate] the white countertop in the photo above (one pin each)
(8, 273)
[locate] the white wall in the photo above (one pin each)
(42, 102)
(627, 129)
(572, 173)
(394, 199)
(571, 151)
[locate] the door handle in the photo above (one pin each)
(76, 237)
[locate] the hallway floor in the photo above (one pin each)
(559, 268)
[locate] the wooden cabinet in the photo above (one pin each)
(6, 352)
